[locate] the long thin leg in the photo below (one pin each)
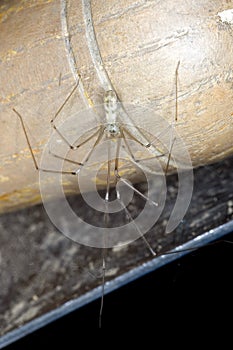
(159, 153)
(88, 138)
(76, 147)
(177, 69)
(127, 146)
(32, 154)
(80, 144)
(58, 112)
(156, 150)
(173, 138)
(57, 130)
(172, 141)
(118, 178)
(117, 159)
(103, 287)
(135, 225)
(136, 191)
(131, 153)
(65, 159)
(99, 132)
(99, 138)
(106, 221)
(135, 139)
(64, 103)
(108, 173)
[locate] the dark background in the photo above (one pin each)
(194, 292)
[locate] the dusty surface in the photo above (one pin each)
(41, 269)
(141, 43)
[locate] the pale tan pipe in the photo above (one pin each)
(44, 52)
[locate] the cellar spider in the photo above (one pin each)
(121, 136)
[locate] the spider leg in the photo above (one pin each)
(32, 154)
(99, 132)
(119, 178)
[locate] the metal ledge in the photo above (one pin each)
(117, 282)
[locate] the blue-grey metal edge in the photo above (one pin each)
(117, 282)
